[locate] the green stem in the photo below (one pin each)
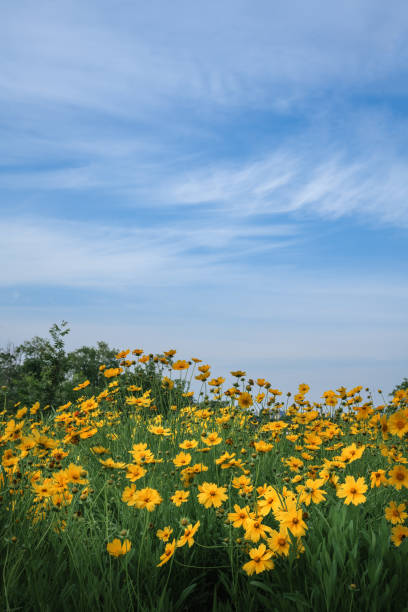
(140, 551)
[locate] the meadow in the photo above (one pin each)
(139, 494)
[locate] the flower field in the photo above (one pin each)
(146, 496)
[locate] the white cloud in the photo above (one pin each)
(373, 188)
(72, 254)
(124, 60)
(67, 71)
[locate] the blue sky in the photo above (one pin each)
(226, 179)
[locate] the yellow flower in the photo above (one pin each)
(291, 519)
(197, 468)
(294, 464)
(158, 430)
(398, 423)
(212, 438)
(262, 446)
(82, 385)
(260, 560)
(87, 432)
(243, 484)
(245, 400)
(225, 458)
(164, 534)
(311, 491)
(187, 444)
(117, 548)
(353, 490)
(63, 498)
(202, 376)
(142, 455)
(240, 515)
(147, 498)
(75, 474)
(271, 498)
(351, 453)
(211, 495)
(129, 495)
(135, 472)
(182, 459)
(238, 373)
(46, 489)
(399, 534)
(254, 529)
(279, 542)
(363, 412)
(292, 437)
(133, 388)
(395, 514)
(331, 400)
(378, 478)
(181, 364)
(167, 383)
(241, 481)
(180, 497)
(398, 477)
(58, 454)
(168, 553)
(21, 413)
(384, 427)
(188, 535)
(34, 408)
(312, 441)
(111, 372)
(110, 463)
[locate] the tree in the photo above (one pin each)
(34, 370)
(83, 363)
(402, 385)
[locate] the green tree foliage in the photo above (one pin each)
(83, 363)
(34, 371)
(41, 370)
(402, 385)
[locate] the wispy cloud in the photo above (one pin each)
(118, 101)
(122, 60)
(90, 255)
(373, 187)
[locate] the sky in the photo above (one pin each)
(227, 179)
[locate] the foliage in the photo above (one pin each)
(41, 370)
(402, 385)
(36, 369)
